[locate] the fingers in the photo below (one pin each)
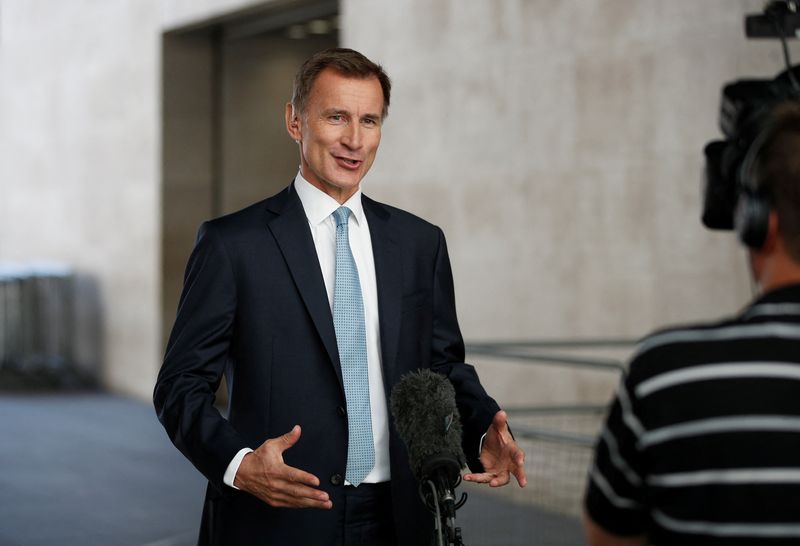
(280, 485)
(281, 443)
(290, 487)
(493, 479)
(500, 463)
(483, 477)
(300, 476)
(519, 468)
(522, 479)
(500, 421)
(292, 495)
(290, 438)
(500, 479)
(510, 455)
(284, 499)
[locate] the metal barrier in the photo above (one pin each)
(37, 326)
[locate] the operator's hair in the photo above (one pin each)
(346, 62)
(778, 172)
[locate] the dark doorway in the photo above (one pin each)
(225, 84)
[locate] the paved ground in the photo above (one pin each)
(94, 469)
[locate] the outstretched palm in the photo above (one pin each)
(500, 456)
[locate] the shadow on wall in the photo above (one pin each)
(50, 328)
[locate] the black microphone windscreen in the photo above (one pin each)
(423, 404)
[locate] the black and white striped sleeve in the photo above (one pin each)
(615, 494)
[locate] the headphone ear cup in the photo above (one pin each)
(752, 218)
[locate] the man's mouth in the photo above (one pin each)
(347, 162)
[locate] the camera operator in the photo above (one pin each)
(702, 442)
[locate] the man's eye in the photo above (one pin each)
(336, 118)
(371, 122)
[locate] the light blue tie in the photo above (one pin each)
(351, 337)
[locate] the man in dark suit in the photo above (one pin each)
(314, 303)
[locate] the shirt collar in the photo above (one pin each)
(790, 293)
(318, 205)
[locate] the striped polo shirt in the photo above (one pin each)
(702, 441)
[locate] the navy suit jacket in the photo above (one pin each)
(254, 307)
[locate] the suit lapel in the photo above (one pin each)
(389, 279)
(291, 231)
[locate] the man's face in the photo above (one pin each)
(339, 132)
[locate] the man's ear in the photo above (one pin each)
(293, 124)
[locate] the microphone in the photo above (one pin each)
(423, 405)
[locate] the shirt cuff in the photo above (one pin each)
(480, 444)
(233, 467)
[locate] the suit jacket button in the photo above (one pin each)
(341, 411)
(337, 479)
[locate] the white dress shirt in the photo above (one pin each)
(319, 208)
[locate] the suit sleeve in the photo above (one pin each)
(475, 406)
(195, 360)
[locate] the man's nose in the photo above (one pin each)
(353, 137)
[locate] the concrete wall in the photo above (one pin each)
(558, 145)
(79, 170)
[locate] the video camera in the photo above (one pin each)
(744, 111)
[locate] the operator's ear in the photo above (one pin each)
(293, 124)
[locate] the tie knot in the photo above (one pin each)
(341, 215)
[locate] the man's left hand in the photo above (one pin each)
(501, 456)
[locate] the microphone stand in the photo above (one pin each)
(438, 536)
(442, 503)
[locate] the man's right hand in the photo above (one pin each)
(264, 475)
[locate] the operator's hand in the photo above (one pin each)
(500, 455)
(264, 475)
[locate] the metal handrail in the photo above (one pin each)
(579, 440)
(557, 410)
(501, 351)
(560, 343)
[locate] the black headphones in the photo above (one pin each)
(751, 216)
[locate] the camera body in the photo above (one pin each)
(733, 197)
(781, 19)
